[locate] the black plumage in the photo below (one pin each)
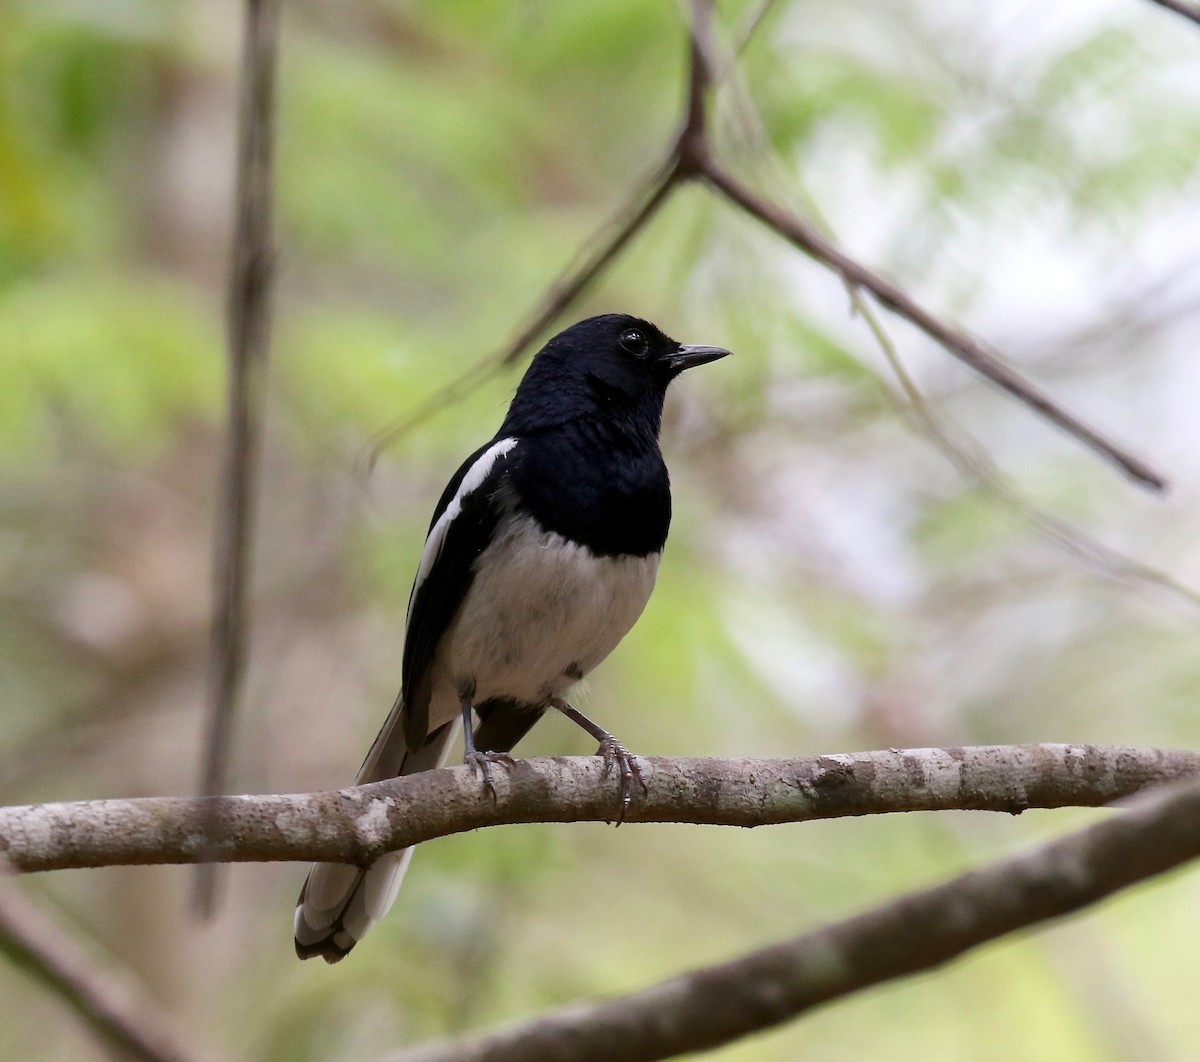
(541, 554)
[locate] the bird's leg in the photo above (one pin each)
(472, 757)
(614, 753)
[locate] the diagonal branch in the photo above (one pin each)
(920, 931)
(646, 200)
(961, 344)
(100, 996)
(681, 162)
(976, 466)
(358, 825)
(691, 155)
(1181, 7)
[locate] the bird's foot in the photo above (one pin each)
(617, 755)
(482, 763)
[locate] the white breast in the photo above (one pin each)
(541, 613)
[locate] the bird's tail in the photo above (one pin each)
(340, 902)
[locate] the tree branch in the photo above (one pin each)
(709, 1007)
(643, 203)
(249, 340)
(1181, 7)
(633, 215)
(692, 155)
(961, 344)
(103, 998)
(357, 825)
(972, 461)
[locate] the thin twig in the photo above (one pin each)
(962, 345)
(249, 341)
(691, 143)
(1181, 7)
(970, 459)
(691, 156)
(706, 1008)
(750, 25)
(976, 466)
(103, 997)
(599, 250)
(358, 825)
(680, 163)
(642, 206)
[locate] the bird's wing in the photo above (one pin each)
(463, 525)
(339, 903)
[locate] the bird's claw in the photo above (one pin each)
(616, 754)
(482, 763)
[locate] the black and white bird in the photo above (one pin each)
(541, 555)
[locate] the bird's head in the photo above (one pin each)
(613, 362)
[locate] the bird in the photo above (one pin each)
(541, 555)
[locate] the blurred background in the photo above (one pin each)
(833, 581)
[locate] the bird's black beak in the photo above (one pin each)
(688, 357)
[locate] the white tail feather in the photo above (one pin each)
(339, 902)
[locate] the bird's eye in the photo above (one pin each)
(634, 340)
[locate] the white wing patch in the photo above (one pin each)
(475, 476)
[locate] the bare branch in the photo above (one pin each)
(632, 218)
(691, 155)
(751, 23)
(101, 996)
(691, 143)
(357, 825)
(709, 1007)
(961, 344)
(647, 198)
(592, 258)
(1181, 7)
(249, 341)
(976, 466)
(681, 162)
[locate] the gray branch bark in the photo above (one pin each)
(357, 825)
(706, 1008)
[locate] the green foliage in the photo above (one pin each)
(123, 360)
(830, 581)
(959, 528)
